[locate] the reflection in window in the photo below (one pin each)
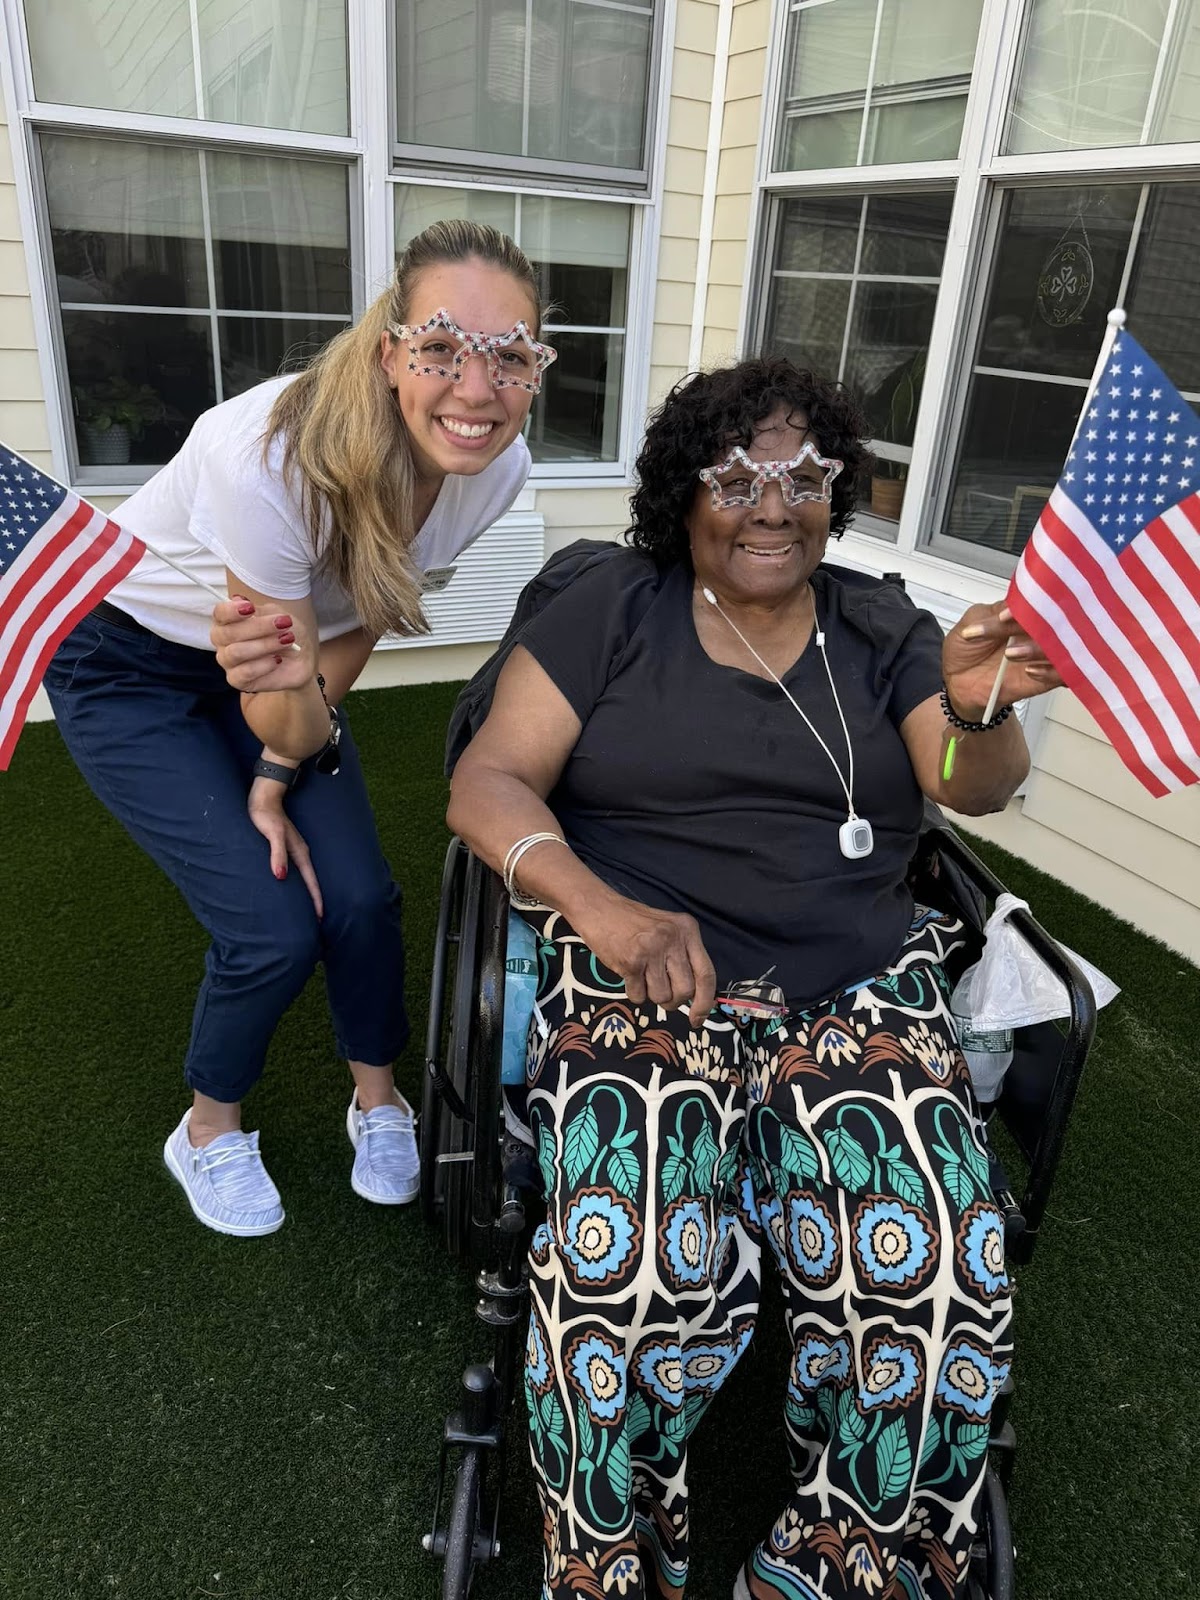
(874, 81)
(1061, 256)
(547, 80)
(183, 277)
(580, 250)
(260, 64)
(1107, 73)
(853, 287)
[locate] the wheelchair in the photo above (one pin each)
(480, 1187)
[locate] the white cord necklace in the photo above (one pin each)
(855, 836)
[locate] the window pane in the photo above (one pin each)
(281, 233)
(819, 234)
(256, 348)
(885, 360)
(126, 221)
(1087, 70)
(806, 321)
(905, 234)
(922, 50)
(580, 251)
(1060, 257)
(137, 383)
(564, 80)
(261, 64)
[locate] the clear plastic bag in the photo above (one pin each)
(1011, 987)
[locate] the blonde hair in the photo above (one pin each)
(345, 440)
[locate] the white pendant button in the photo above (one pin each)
(856, 838)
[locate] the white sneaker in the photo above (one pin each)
(386, 1165)
(225, 1182)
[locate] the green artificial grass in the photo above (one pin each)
(188, 1415)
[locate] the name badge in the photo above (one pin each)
(436, 579)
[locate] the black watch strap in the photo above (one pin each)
(287, 776)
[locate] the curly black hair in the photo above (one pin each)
(706, 414)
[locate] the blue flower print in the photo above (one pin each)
(980, 1249)
(819, 1361)
(970, 1380)
(600, 1235)
(660, 1368)
(705, 1366)
(770, 1214)
(537, 1362)
(598, 1369)
(894, 1242)
(540, 1244)
(892, 1372)
(812, 1236)
(685, 1243)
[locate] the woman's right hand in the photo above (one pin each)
(659, 954)
(265, 806)
(260, 650)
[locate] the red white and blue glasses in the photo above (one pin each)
(739, 481)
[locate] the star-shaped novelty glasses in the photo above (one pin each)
(439, 348)
(738, 481)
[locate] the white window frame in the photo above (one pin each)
(930, 561)
(368, 152)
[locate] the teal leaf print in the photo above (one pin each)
(705, 1154)
(580, 1144)
(586, 1433)
(675, 1425)
(801, 1417)
(727, 1167)
(638, 1417)
(972, 1439)
(545, 1155)
(620, 1470)
(552, 1414)
(959, 1185)
(893, 1460)
(974, 1158)
(852, 1425)
(851, 1164)
(933, 1438)
(797, 1153)
(674, 1177)
(624, 1173)
(906, 1181)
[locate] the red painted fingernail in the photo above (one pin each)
(281, 873)
(246, 609)
(283, 622)
(287, 638)
(278, 661)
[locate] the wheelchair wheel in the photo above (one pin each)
(991, 1575)
(465, 1538)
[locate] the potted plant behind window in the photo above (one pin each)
(896, 402)
(111, 416)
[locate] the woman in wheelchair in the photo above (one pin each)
(704, 765)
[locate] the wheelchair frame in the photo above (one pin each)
(475, 1182)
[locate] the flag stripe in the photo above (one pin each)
(1043, 620)
(1175, 537)
(26, 572)
(1100, 590)
(72, 605)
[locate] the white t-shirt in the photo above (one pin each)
(218, 504)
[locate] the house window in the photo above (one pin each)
(1111, 74)
(553, 87)
(182, 277)
(854, 281)
(866, 82)
(580, 250)
(253, 62)
(1061, 257)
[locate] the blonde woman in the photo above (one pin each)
(319, 501)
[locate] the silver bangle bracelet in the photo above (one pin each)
(512, 860)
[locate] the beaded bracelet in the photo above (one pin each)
(512, 860)
(955, 721)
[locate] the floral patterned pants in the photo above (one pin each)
(843, 1141)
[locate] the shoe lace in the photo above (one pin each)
(238, 1175)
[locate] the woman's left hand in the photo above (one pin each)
(980, 640)
(260, 649)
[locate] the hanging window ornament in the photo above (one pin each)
(1067, 277)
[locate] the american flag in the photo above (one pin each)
(58, 557)
(1109, 583)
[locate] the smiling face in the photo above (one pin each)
(458, 427)
(762, 554)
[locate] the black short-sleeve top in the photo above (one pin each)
(696, 787)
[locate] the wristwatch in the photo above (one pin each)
(287, 776)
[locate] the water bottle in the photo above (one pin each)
(520, 992)
(988, 1053)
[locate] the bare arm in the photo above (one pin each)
(987, 767)
(498, 795)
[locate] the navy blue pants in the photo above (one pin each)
(160, 738)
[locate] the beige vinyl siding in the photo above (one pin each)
(1088, 822)
(22, 410)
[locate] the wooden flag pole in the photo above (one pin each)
(1115, 322)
